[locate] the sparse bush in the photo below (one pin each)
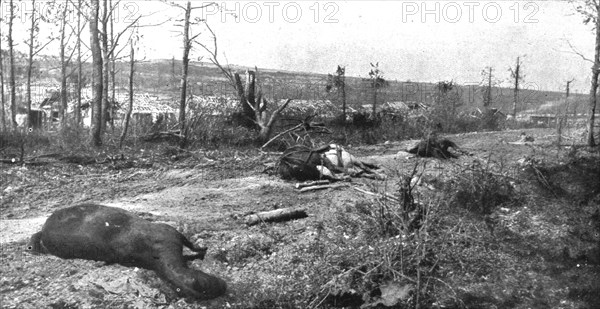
(481, 189)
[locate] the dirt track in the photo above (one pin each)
(205, 203)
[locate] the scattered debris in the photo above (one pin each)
(523, 139)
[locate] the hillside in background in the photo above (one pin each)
(162, 77)
(206, 79)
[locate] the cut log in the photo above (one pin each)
(320, 187)
(278, 215)
(301, 185)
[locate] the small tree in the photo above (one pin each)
(132, 42)
(79, 67)
(487, 94)
(562, 119)
(447, 101)
(376, 82)
(590, 9)
(188, 40)
(338, 82)
(517, 76)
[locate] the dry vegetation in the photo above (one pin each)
(512, 226)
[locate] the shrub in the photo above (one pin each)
(481, 189)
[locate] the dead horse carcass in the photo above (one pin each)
(303, 163)
(433, 147)
(114, 235)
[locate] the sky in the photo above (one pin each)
(426, 41)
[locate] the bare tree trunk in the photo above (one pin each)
(97, 74)
(561, 119)
(112, 71)
(258, 104)
(187, 45)
(79, 69)
(130, 107)
(105, 63)
(488, 100)
(63, 69)
(594, 83)
(343, 86)
(516, 75)
(374, 102)
(11, 78)
(28, 123)
(2, 85)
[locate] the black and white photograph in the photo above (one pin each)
(173, 154)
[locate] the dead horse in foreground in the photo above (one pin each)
(114, 235)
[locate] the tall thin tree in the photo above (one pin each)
(97, 86)
(594, 84)
(516, 75)
(79, 67)
(377, 82)
(32, 35)
(187, 40)
(2, 100)
(338, 82)
(131, 76)
(487, 99)
(11, 59)
(63, 66)
(34, 49)
(561, 119)
(590, 10)
(104, 21)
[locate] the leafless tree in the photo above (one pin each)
(11, 59)
(64, 62)
(187, 39)
(97, 85)
(2, 101)
(132, 42)
(487, 96)
(34, 49)
(377, 82)
(516, 75)
(590, 9)
(255, 106)
(338, 82)
(561, 120)
(79, 65)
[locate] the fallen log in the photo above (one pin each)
(320, 187)
(301, 185)
(278, 215)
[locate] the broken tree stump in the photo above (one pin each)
(278, 215)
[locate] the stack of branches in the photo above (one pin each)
(301, 131)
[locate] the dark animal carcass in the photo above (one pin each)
(114, 235)
(433, 147)
(303, 163)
